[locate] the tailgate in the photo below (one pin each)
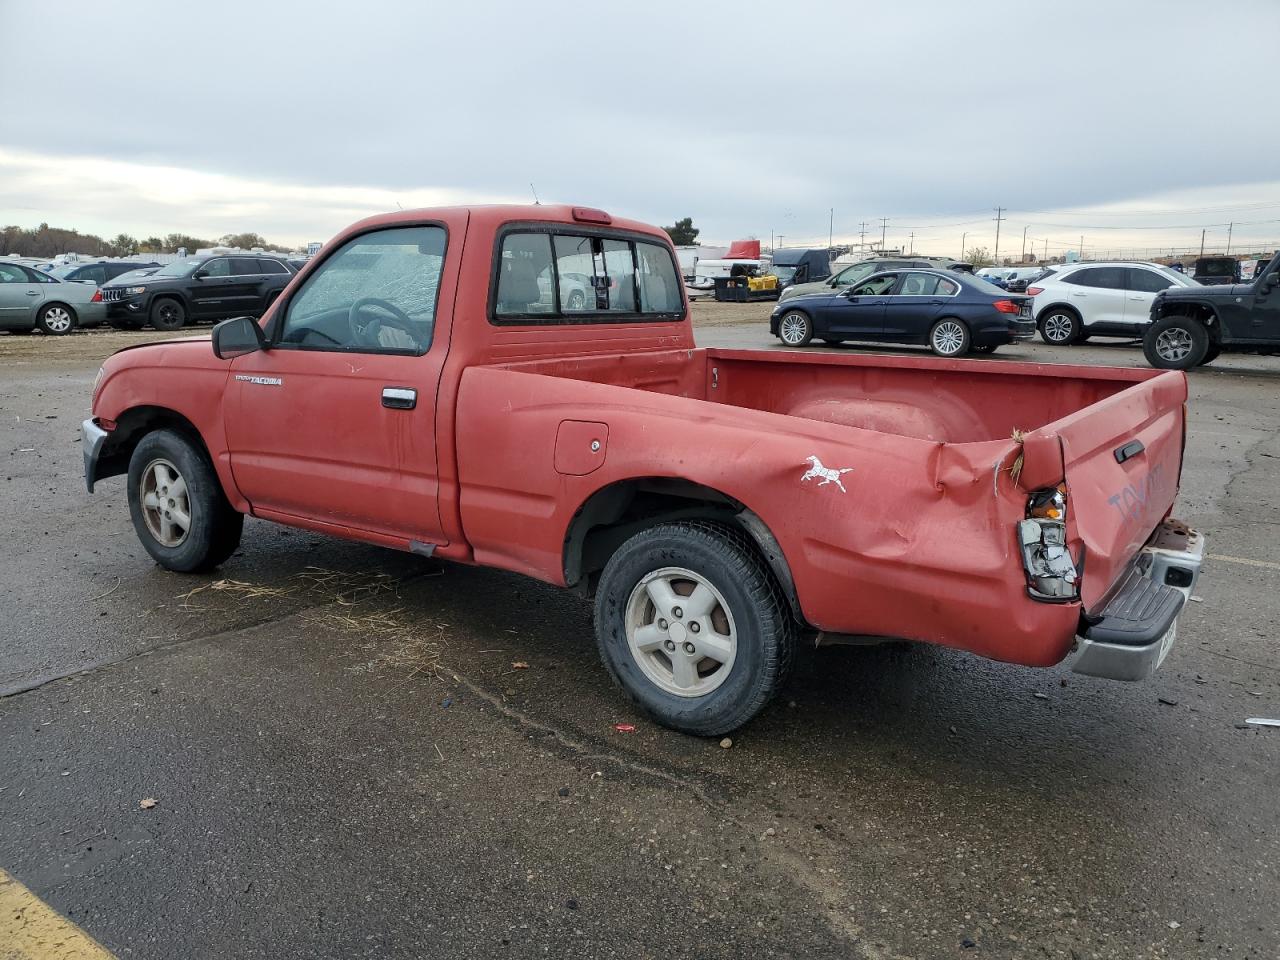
(1122, 459)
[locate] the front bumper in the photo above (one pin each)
(92, 438)
(1137, 626)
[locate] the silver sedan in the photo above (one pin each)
(31, 300)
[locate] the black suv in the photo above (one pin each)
(98, 272)
(198, 288)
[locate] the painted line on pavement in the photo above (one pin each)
(32, 930)
(1265, 564)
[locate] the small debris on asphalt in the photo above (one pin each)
(1174, 924)
(572, 904)
(1166, 701)
(726, 743)
(624, 727)
(147, 803)
(967, 944)
(770, 832)
(563, 791)
(519, 665)
(1196, 599)
(951, 730)
(1263, 722)
(447, 702)
(1041, 696)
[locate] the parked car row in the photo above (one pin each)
(199, 288)
(31, 300)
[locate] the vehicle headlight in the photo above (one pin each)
(1042, 537)
(133, 290)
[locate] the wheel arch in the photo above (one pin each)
(618, 511)
(1200, 310)
(1059, 305)
(131, 426)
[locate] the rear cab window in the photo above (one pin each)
(552, 274)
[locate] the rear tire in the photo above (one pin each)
(168, 314)
(179, 511)
(56, 320)
(692, 626)
(949, 337)
(1176, 343)
(795, 329)
(1060, 326)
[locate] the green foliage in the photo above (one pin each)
(683, 233)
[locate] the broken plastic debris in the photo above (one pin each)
(1263, 722)
(625, 727)
(519, 665)
(1196, 599)
(148, 803)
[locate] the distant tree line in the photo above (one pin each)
(47, 241)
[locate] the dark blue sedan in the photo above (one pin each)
(951, 312)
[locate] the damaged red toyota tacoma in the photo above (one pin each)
(518, 387)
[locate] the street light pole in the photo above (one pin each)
(999, 216)
(831, 227)
(1024, 244)
(963, 237)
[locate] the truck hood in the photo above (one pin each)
(181, 351)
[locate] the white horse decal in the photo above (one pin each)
(826, 474)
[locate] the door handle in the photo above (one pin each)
(1128, 450)
(936, 303)
(1138, 299)
(33, 293)
(399, 398)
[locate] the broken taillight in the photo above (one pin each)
(1042, 537)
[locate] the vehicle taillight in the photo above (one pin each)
(1034, 291)
(1006, 306)
(1052, 575)
(97, 297)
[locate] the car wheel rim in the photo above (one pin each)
(166, 505)
(169, 313)
(57, 320)
(680, 632)
(1058, 328)
(793, 328)
(948, 337)
(1173, 345)
(576, 301)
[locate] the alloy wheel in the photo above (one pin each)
(166, 504)
(57, 320)
(948, 338)
(1173, 345)
(681, 632)
(1058, 327)
(793, 328)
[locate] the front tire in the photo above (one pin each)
(1060, 326)
(949, 337)
(795, 329)
(168, 314)
(56, 320)
(1176, 343)
(177, 505)
(692, 625)
(1211, 354)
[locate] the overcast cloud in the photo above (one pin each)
(294, 119)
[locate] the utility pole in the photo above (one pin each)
(911, 244)
(1230, 227)
(1023, 255)
(1202, 243)
(884, 224)
(831, 227)
(1081, 250)
(862, 237)
(999, 216)
(1046, 249)
(963, 237)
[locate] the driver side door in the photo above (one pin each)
(334, 423)
(858, 311)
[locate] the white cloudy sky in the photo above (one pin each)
(1133, 124)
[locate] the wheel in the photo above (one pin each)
(832, 342)
(56, 320)
(1059, 326)
(693, 627)
(795, 329)
(577, 300)
(168, 314)
(1176, 343)
(992, 348)
(177, 505)
(949, 338)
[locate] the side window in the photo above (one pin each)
(272, 267)
(245, 267)
(526, 279)
(919, 285)
(875, 286)
(947, 288)
(375, 294)
(35, 276)
(11, 274)
(219, 267)
(1147, 281)
(1105, 278)
(659, 289)
(97, 273)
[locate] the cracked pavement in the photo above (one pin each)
(347, 763)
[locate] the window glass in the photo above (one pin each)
(1148, 281)
(525, 277)
(1107, 278)
(11, 274)
(853, 273)
(219, 267)
(619, 275)
(97, 273)
(659, 290)
(271, 266)
(245, 266)
(582, 284)
(377, 293)
(876, 286)
(947, 288)
(919, 285)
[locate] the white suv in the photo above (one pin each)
(1082, 300)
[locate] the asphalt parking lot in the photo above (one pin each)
(353, 752)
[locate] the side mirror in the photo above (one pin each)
(1273, 279)
(848, 293)
(236, 337)
(199, 274)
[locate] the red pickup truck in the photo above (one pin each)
(519, 387)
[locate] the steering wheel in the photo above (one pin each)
(365, 332)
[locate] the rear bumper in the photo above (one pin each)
(1136, 628)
